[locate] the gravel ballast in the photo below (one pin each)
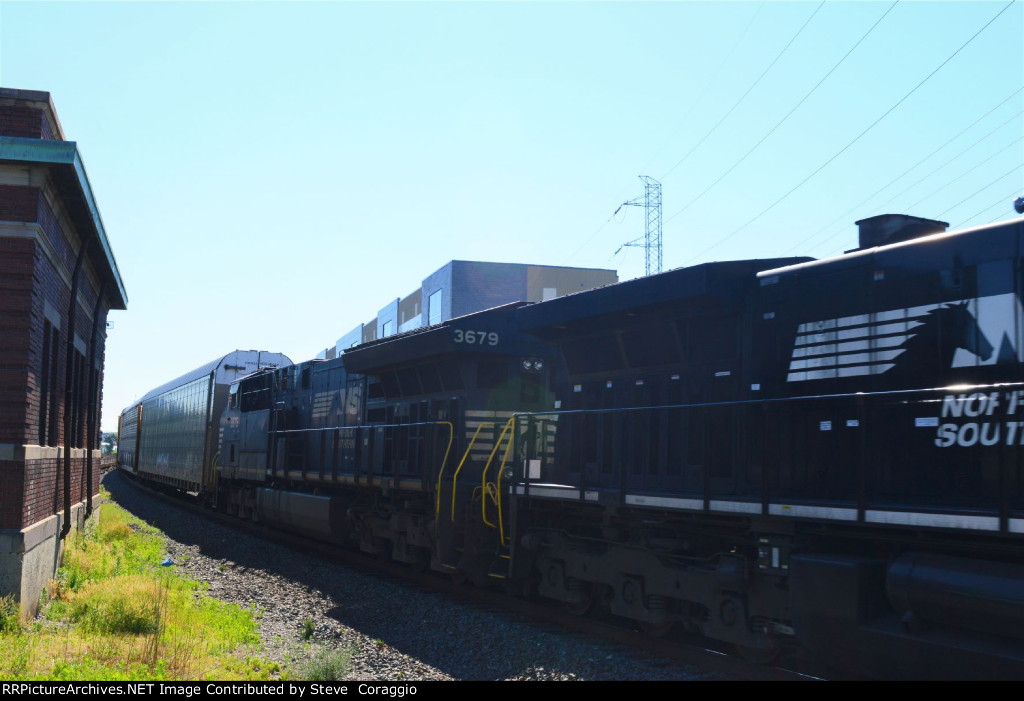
(394, 632)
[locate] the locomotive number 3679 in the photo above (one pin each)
(480, 338)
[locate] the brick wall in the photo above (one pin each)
(24, 121)
(12, 483)
(16, 280)
(33, 490)
(19, 203)
(34, 276)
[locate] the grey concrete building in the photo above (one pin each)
(462, 287)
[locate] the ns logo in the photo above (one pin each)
(909, 342)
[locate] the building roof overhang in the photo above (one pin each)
(65, 164)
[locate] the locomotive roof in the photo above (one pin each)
(427, 341)
(861, 253)
(699, 281)
(241, 359)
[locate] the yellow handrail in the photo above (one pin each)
(455, 477)
(501, 472)
(451, 439)
(483, 481)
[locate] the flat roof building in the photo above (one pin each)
(462, 287)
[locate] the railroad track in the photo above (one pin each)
(681, 649)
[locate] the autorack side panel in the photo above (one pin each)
(178, 442)
(127, 438)
(175, 439)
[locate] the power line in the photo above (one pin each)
(966, 172)
(998, 202)
(589, 238)
(693, 106)
(707, 85)
(1011, 210)
(861, 135)
(1000, 217)
(844, 215)
(744, 95)
(788, 114)
(941, 214)
(925, 177)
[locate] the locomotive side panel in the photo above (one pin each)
(942, 312)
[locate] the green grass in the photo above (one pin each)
(113, 613)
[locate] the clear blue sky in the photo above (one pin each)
(271, 174)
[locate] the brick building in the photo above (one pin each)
(53, 250)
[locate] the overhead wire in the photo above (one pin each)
(744, 95)
(693, 105)
(787, 115)
(1011, 210)
(963, 174)
(1006, 174)
(859, 136)
(936, 170)
(1002, 216)
(842, 217)
(590, 238)
(998, 202)
(707, 85)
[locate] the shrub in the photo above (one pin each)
(122, 605)
(10, 615)
(327, 665)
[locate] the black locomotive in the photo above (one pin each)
(822, 454)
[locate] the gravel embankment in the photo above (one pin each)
(394, 632)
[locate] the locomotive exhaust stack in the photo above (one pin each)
(884, 229)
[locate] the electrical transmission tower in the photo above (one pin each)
(651, 202)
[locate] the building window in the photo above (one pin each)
(47, 386)
(434, 309)
(78, 401)
(48, 428)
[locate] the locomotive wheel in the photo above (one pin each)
(383, 546)
(655, 630)
(581, 607)
(422, 563)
